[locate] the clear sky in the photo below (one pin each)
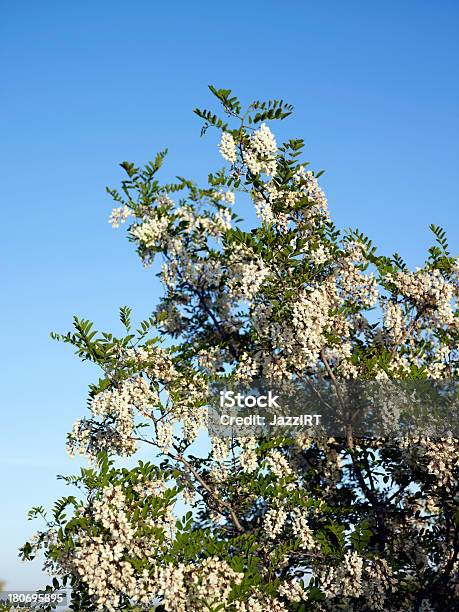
(86, 85)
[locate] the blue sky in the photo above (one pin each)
(87, 85)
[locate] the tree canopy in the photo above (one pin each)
(306, 521)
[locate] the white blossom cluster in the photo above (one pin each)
(259, 602)
(440, 457)
(247, 273)
(151, 231)
(155, 361)
(278, 464)
(308, 187)
(189, 408)
(210, 225)
(274, 521)
(164, 435)
(310, 318)
(227, 148)
(211, 359)
(394, 320)
(302, 530)
(220, 449)
(293, 591)
(181, 268)
(119, 215)
(297, 340)
(260, 152)
(225, 196)
(305, 188)
(345, 579)
(248, 457)
(357, 287)
(186, 409)
(246, 369)
(196, 587)
(264, 210)
(101, 561)
(319, 254)
(378, 582)
(119, 406)
(88, 438)
(432, 294)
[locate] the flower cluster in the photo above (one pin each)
(278, 465)
(259, 154)
(246, 273)
(259, 602)
(302, 530)
(378, 583)
(274, 521)
(151, 231)
(248, 457)
(228, 148)
(196, 587)
(394, 321)
(103, 561)
(119, 215)
(431, 293)
(344, 580)
(116, 406)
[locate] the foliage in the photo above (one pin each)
(311, 523)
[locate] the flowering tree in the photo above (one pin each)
(275, 523)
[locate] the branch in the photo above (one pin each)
(206, 487)
(349, 436)
(369, 493)
(221, 502)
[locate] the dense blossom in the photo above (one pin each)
(228, 147)
(261, 151)
(318, 522)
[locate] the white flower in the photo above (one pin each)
(278, 464)
(248, 457)
(344, 580)
(227, 148)
(274, 521)
(119, 215)
(151, 231)
(164, 433)
(301, 529)
(293, 591)
(260, 153)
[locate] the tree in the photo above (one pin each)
(276, 522)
